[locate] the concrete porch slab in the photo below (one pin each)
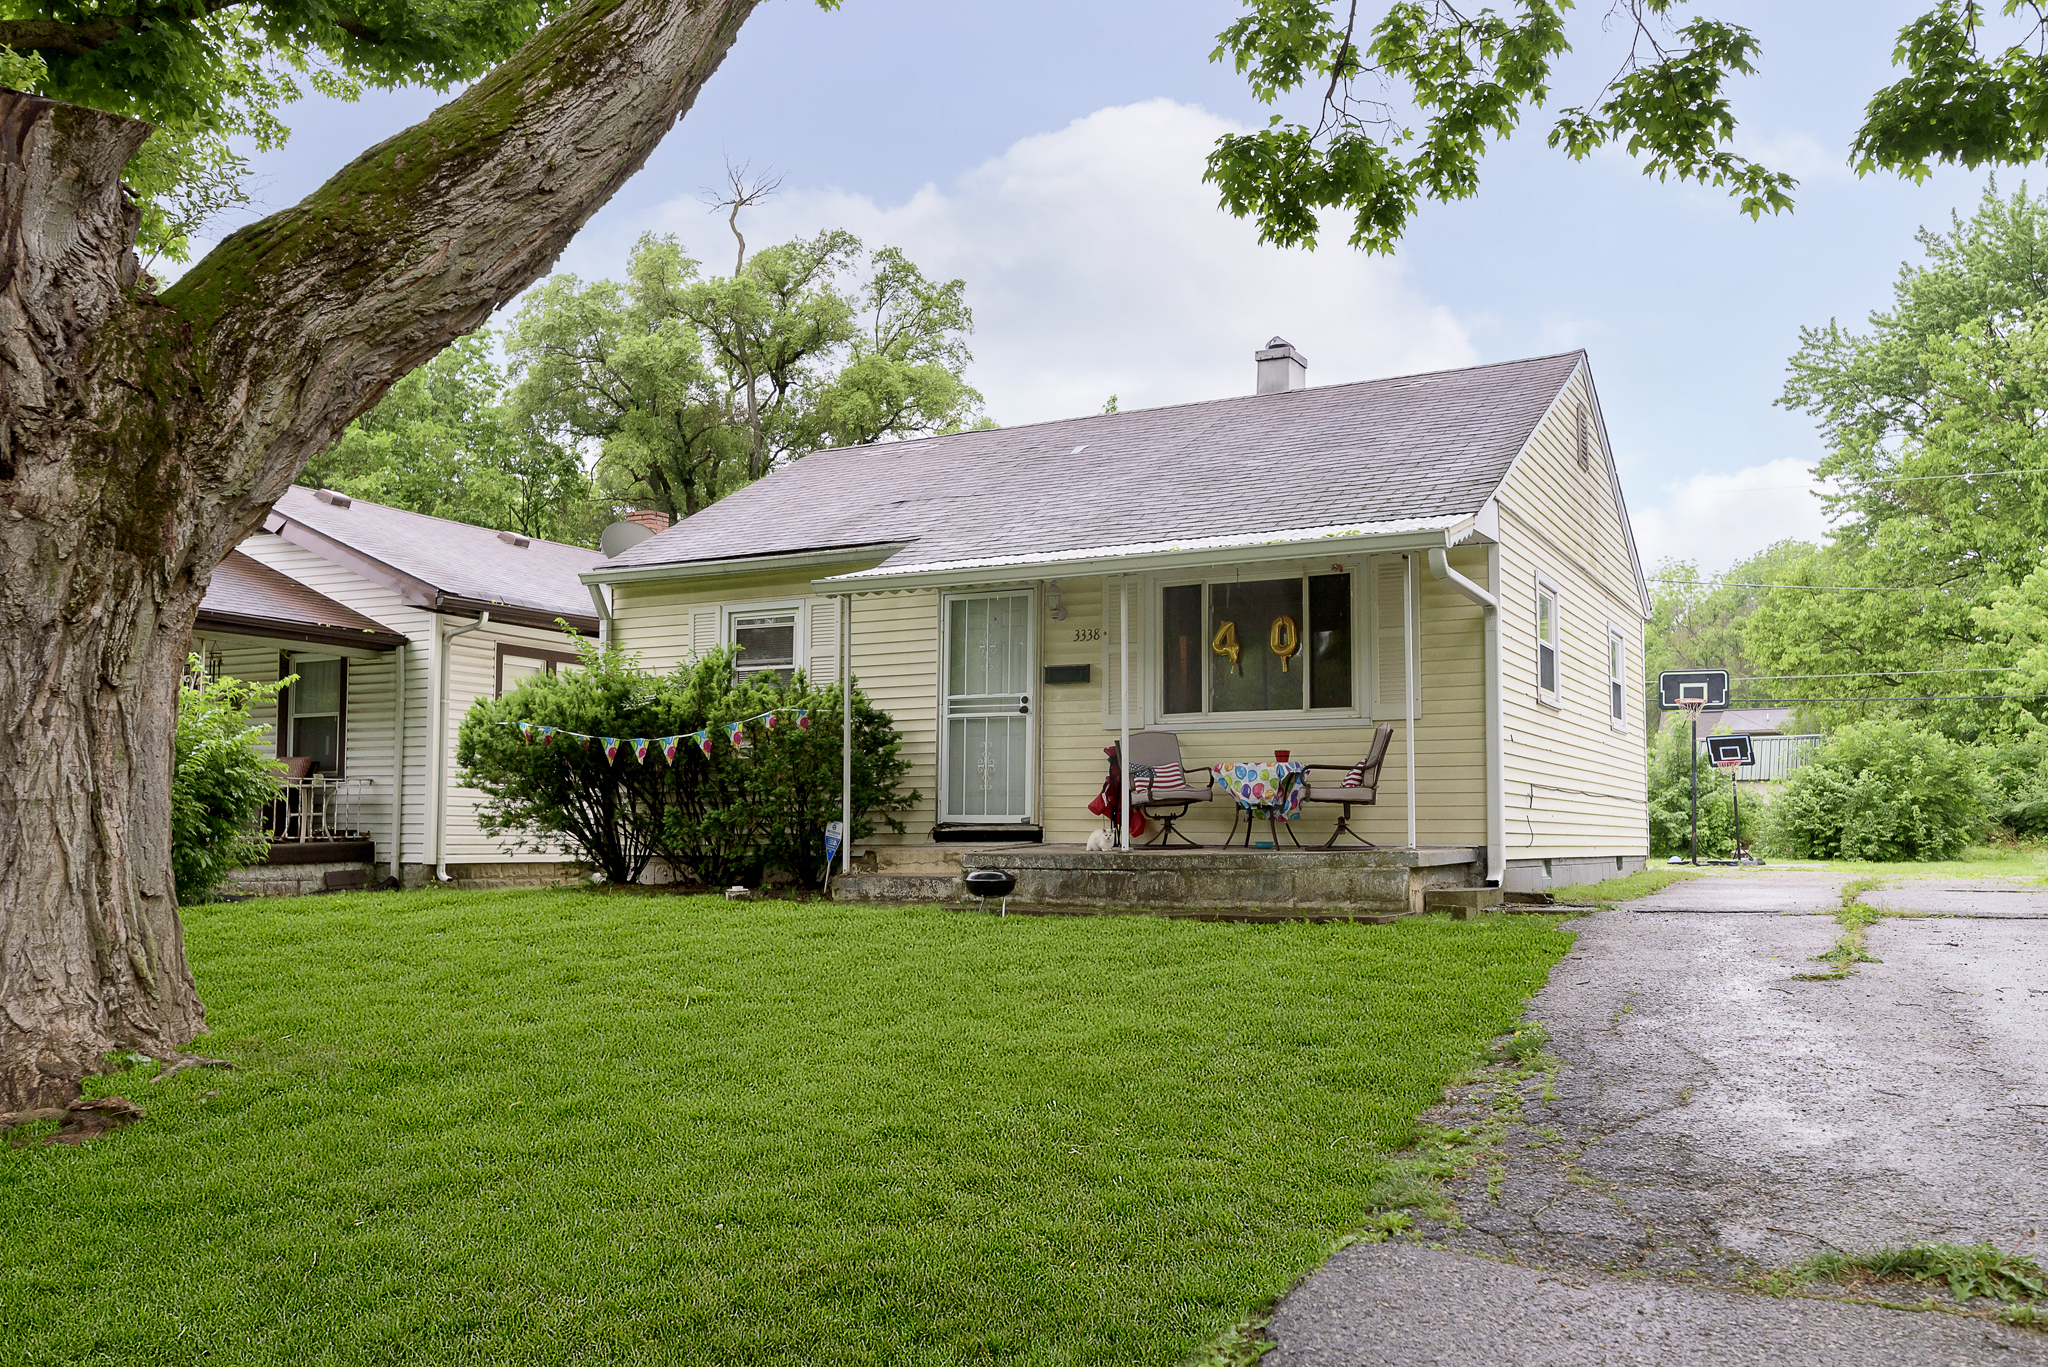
(1377, 882)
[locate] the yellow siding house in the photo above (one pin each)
(1284, 571)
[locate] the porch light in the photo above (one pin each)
(1052, 602)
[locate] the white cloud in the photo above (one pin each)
(1718, 519)
(1098, 263)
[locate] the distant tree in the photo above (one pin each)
(1697, 621)
(1936, 421)
(443, 442)
(690, 387)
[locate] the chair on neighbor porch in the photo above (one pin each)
(1159, 781)
(1358, 788)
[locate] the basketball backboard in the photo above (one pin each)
(1675, 686)
(1729, 750)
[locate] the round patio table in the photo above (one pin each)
(1263, 788)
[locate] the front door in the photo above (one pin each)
(987, 731)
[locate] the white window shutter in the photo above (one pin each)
(823, 664)
(703, 631)
(1112, 653)
(1389, 669)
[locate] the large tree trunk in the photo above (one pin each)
(142, 437)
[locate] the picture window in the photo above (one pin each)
(1233, 647)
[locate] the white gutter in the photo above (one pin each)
(438, 724)
(1496, 793)
(398, 769)
(603, 601)
(1411, 534)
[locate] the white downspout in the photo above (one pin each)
(846, 733)
(438, 723)
(1408, 692)
(600, 595)
(398, 766)
(1496, 789)
(1123, 710)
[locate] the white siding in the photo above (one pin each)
(472, 674)
(1575, 786)
(384, 607)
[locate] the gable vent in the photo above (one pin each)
(330, 497)
(514, 539)
(1585, 438)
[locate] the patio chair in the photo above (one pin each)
(1358, 788)
(1160, 786)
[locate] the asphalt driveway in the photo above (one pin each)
(1718, 1117)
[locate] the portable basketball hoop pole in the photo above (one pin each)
(1735, 791)
(1692, 708)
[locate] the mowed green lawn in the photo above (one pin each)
(577, 1127)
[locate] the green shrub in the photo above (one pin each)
(220, 783)
(1882, 790)
(2017, 768)
(717, 818)
(1671, 800)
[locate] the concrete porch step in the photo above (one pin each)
(1462, 904)
(897, 887)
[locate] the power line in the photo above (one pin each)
(1737, 704)
(1885, 479)
(1819, 588)
(1862, 674)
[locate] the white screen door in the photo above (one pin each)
(988, 708)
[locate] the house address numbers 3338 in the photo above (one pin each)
(1087, 633)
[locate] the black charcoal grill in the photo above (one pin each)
(987, 883)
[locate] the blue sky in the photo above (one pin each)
(1051, 155)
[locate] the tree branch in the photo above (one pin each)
(82, 39)
(299, 323)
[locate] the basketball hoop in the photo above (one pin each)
(1727, 764)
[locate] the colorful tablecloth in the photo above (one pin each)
(1263, 787)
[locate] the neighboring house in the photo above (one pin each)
(1775, 748)
(353, 598)
(988, 577)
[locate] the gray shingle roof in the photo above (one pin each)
(246, 595)
(1416, 446)
(461, 561)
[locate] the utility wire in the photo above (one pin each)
(1861, 674)
(1887, 479)
(1737, 704)
(1820, 588)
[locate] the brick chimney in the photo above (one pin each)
(1281, 368)
(653, 519)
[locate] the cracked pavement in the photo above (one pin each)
(1716, 1117)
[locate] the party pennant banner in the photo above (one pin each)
(639, 748)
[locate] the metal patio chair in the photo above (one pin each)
(1155, 756)
(1359, 787)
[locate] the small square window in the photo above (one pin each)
(766, 644)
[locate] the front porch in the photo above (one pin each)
(1284, 884)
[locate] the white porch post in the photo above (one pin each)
(1123, 711)
(1408, 690)
(846, 732)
